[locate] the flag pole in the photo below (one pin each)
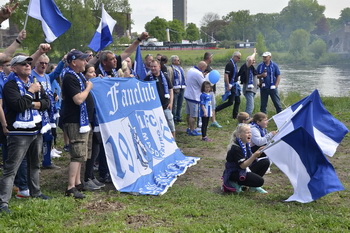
(26, 20)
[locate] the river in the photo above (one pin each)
(329, 80)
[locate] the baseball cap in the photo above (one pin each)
(19, 59)
(76, 54)
(266, 54)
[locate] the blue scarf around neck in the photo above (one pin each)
(263, 132)
(84, 119)
(165, 84)
(104, 73)
(179, 77)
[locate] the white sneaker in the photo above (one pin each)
(54, 154)
(56, 151)
(23, 194)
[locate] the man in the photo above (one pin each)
(195, 78)
(177, 78)
(77, 114)
(110, 63)
(232, 88)
(147, 63)
(270, 76)
(24, 106)
(45, 80)
(247, 74)
(208, 58)
(165, 92)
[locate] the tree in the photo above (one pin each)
(239, 23)
(208, 18)
(318, 48)
(192, 32)
(345, 15)
(322, 27)
(157, 28)
(300, 14)
(298, 41)
(177, 30)
(260, 44)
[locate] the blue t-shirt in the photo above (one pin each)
(272, 71)
(2, 82)
(205, 100)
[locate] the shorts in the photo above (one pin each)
(192, 108)
(169, 118)
(80, 144)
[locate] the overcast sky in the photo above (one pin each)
(145, 11)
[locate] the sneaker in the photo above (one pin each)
(215, 124)
(98, 183)
(54, 154)
(195, 133)
(42, 196)
(80, 187)
(258, 190)
(188, 131)
(268, 171)
(56, 151)
(206, 139)
(106, 179)
(66, 148)
(91, 186)
(75, 193)
(236, 186)
(23, 194)
(5, 209)
(227, 189)
(52, 166)
(199, 129)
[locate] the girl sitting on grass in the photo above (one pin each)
(242, 166)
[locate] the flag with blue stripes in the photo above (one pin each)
(53, 22)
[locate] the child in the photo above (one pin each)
(260, 136)
(243, 117)
(205, 109)
(242, 166)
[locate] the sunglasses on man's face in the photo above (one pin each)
(24, 63)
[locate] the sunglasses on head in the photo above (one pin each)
(24, 63)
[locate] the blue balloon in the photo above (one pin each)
(214, 76)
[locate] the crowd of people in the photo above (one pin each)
(36, 97)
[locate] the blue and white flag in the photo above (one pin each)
(53, 22)
(310, 114)
(139, 66)
(103, 35)
(142, 155)
(299, 157)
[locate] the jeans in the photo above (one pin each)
(273, 93)
(20, 146)
(177, 104)
(21, 177)
(249, 96)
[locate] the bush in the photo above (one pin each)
(318, 48)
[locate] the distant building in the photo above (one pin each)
(7, 36)
(180, 11)
(339, 41)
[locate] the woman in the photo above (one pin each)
(242, 166)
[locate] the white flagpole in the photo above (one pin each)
(26, 20)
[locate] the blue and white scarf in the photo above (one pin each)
(28, 118)
(84, 119)
(104, 73)
(232, 79)
(250, 79)
(247, 152)
(165, 84)
(263, 132)
(272, 73)
(179, 77)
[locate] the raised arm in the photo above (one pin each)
(129, 50)
(9, 51)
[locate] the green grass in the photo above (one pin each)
(194, 203)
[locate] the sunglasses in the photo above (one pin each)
(43, 63)
(24, 63)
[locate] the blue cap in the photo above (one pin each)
(76, 54)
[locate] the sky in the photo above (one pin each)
(145, 11)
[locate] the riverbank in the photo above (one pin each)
(195, 202)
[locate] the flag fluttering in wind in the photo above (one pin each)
(53, 22)
(103, 35)
(299, 157)
(310, 114)
(139, 66)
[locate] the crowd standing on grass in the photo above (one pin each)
(35, 97)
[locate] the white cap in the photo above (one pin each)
(266, 54)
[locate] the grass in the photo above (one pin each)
(194, 203)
